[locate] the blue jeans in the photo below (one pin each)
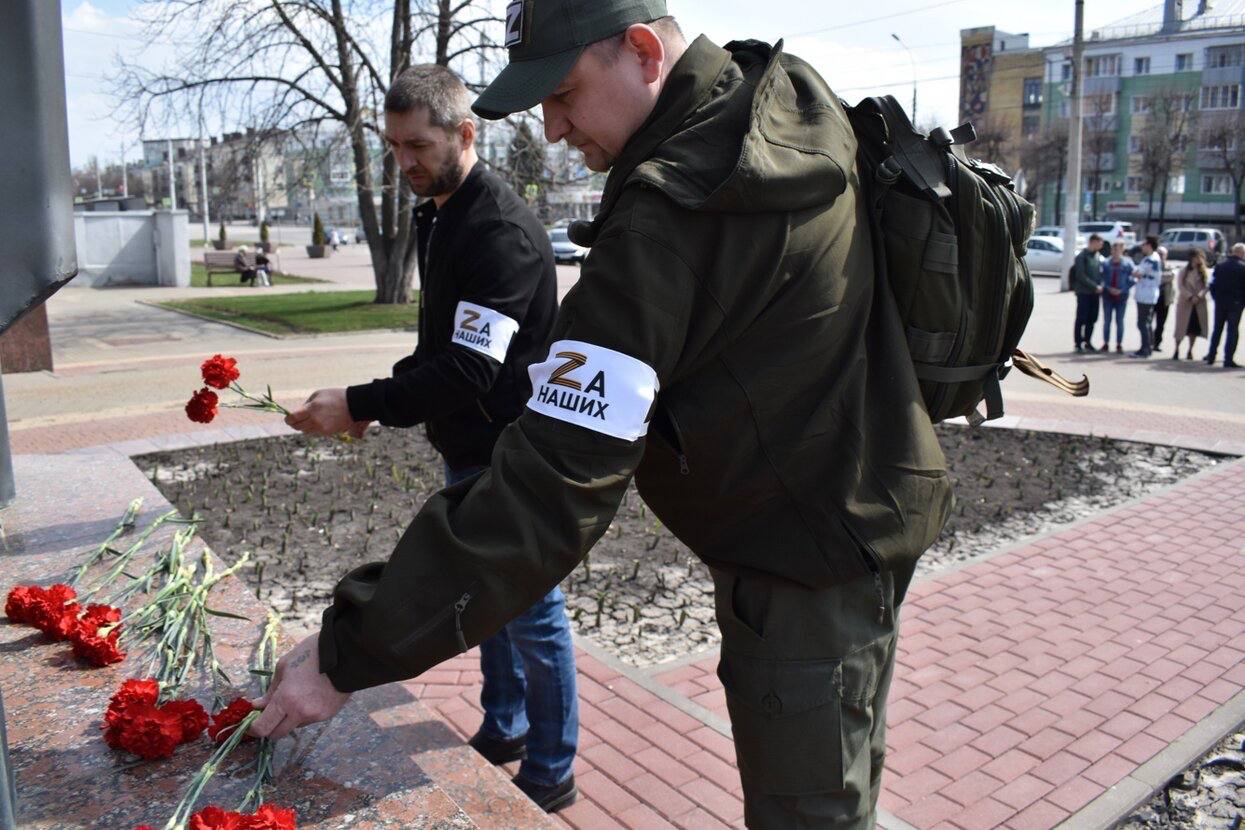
(1113, 306)
(529, 682)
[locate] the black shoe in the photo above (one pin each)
(1080, 349)
(549, 799)
(1209, 360)
(1105, 348)
(498, 751)
(1231, 364)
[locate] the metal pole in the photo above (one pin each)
(913, 60)
(1072, 207)
(172, 177)
(125, 175)
(99, 185)
(8, 490)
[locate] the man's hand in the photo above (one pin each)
(299, 694)
(325, 413)
(357, 429)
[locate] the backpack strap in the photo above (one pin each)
(989, 375)
(920, 159)
(1035, 368)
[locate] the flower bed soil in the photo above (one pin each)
(311, 509)
(1210, 795)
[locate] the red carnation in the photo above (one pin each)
(54, 613)
(220, 371)
(269, 817)
(19, 606)
(97, 650)
(143, 827)
(214, 818)
(134, 692)
(149, 731)
(201, 408)
(102, 615)
(191, 715)
(229, 717)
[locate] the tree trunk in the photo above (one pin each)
(1149, 208)
(1236, 206)
(1163, 202)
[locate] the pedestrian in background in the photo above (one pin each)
(1227, 287)
(1194, 286)
(1087, 283)
(1149, 279)
(1117, 281)
(1167, 296)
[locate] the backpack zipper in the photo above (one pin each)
(676, 441)
(483, 411)
(872, 564)
(459, 607)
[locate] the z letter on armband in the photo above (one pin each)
(595, 388)
(483, 330)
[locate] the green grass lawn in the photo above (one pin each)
(304, 313)
(198, 278)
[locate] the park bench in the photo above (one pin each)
(222, 262)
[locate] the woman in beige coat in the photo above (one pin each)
(1192, 288)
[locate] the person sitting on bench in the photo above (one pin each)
(256, 275)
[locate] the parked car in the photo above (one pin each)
(1044, 255)
(359, 236)
(564, 250)
(1056, 232)
(1180, 242)
(1110, 231)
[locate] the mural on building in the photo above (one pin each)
(974, 79)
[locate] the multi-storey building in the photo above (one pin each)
(1184, 65)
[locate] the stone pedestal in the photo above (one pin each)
(384, 761)
(26, 346)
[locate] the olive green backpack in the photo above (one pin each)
(949, 236)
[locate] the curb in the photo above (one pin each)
(1116, 804)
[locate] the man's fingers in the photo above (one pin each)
(285, 727)
(269, 719)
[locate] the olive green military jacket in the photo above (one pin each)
(726, 345)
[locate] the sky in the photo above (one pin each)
(851, 44)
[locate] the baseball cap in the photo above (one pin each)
(545, 38)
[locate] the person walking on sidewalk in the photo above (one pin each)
(1149, 280)
(487, 309)
(1117, 281)
(1191, 313)
(1087, 283)
(729, 348)
(1228, 290)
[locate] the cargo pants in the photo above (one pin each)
(806, 674)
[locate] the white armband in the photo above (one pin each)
(483, 330)
(595, 388)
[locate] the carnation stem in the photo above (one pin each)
(265, 663)
(184, 809)
(123, 526)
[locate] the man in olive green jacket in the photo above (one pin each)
(727, 346)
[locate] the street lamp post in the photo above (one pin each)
(913, 60)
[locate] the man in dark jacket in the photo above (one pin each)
(1087, 283)
(488, 301)
(1228, 290)
(727, 346)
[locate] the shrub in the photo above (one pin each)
(317, 231)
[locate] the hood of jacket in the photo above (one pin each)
(740, 129)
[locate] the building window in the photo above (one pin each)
(1030, 124)
(1064, 111)
(1222, 97)
(1099, 184)
(1184, 62)
(1134, 144)
(1141, 66)
(1176, 184)
(1205, 144)
(1133, 185)
(1065, 71)
(1141, 104)
(1102, 66)
(1218, 57)
(1033, 92)
(1217, 185)
(1095, 105)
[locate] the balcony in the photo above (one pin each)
(1104, 163)
(1218, 76)
(1209, 159)
(1108, 85)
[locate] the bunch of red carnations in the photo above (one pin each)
(137, 722)
(220, 372)
(94, 632)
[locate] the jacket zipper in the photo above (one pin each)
(459, 607)
(483, 411)
(684, 469)
(872, 565)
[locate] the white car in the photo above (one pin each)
(1056, 231)
(1044, 255)
(1110, 231)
